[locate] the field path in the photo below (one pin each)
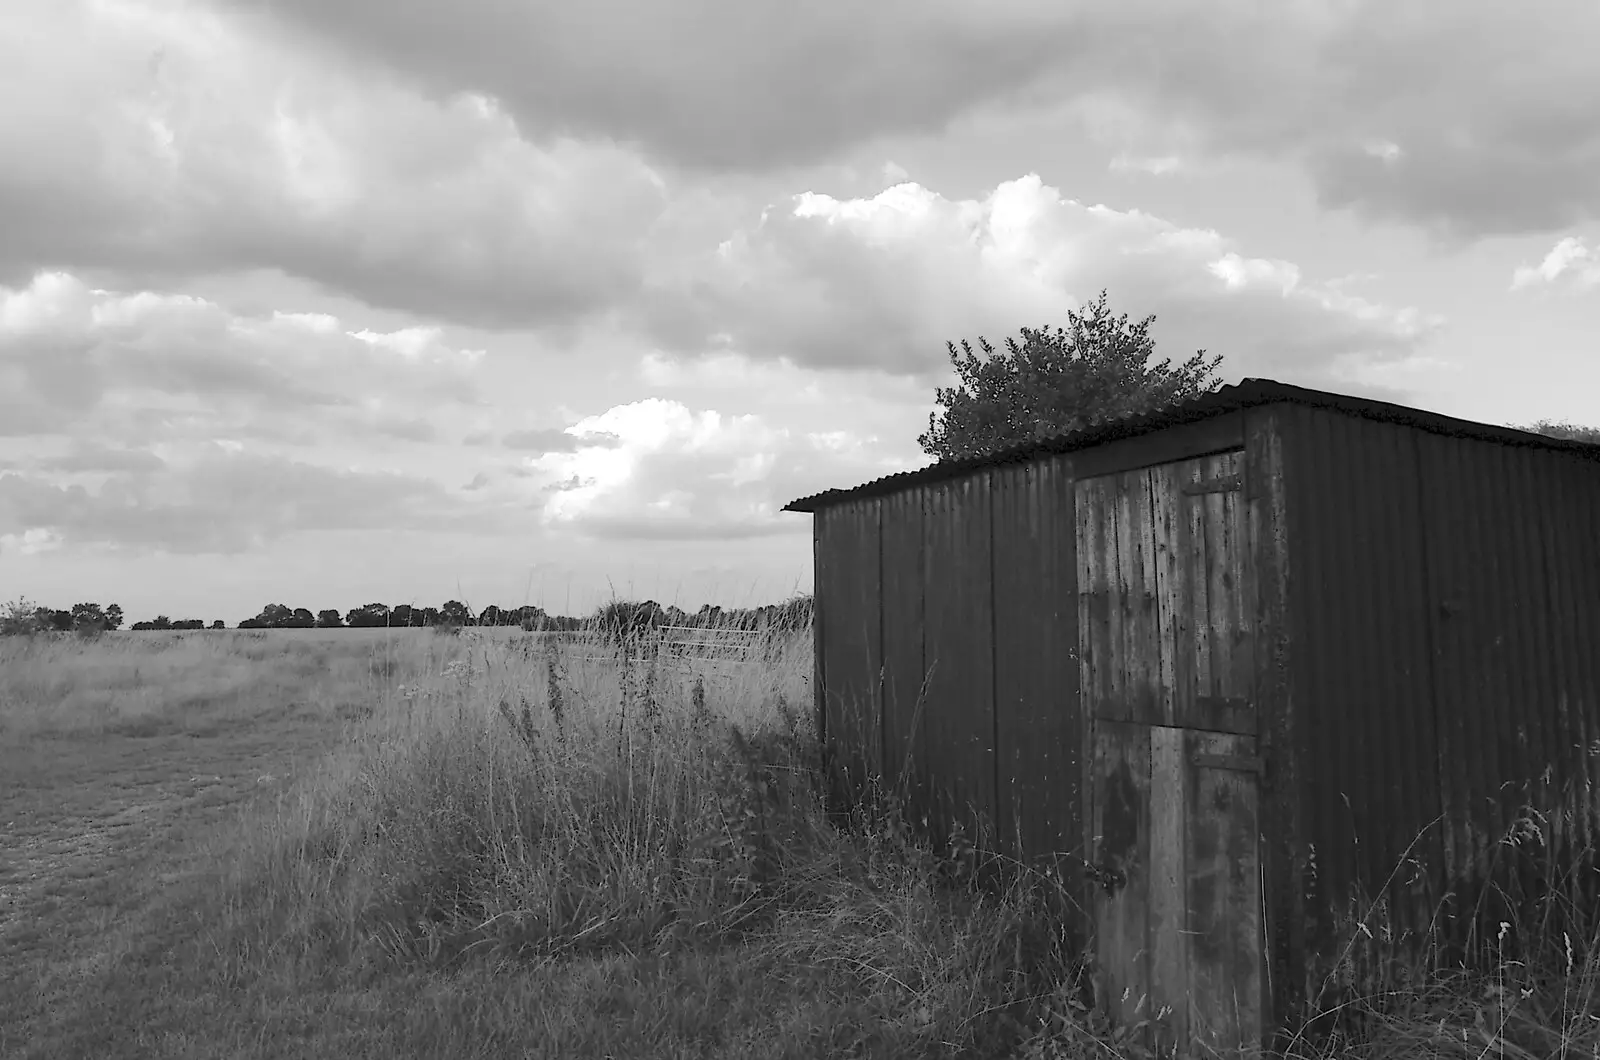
(92, 827)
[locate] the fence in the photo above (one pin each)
(681, 642)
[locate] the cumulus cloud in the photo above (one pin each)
(883, 283)
(661, 470)
(1473, 118)
(1569, 261)
(167, 140)
(146, 361)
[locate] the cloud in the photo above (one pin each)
(1156, 167)
(883, 283)
(552, 440)
(708, 83)
(1570, 260)
(218, 502)
(1469, 120)
(166, 141)
(92, 456)
(147, 362)
(671, 473)
(1474, 118)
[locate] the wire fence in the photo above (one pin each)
(664, 643)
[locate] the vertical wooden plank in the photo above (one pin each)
(1118, 544)
(1168, 893)
(1230, 637)
(1121, 830)
(1167, 519)
(1137, 559)
(1223, 896)
(1197, 579)
(1095, 652)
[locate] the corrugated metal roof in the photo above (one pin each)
(1246, 393)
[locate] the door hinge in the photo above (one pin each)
(1221, 484)
(1241, 763)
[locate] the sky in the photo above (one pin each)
(328, 302)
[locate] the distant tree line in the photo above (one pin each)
(23, 616)
(163, 622)
(794, 613)
(619, 617)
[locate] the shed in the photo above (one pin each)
(1233, 671)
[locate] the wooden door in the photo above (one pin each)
(1166, 602)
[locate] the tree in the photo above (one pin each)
(218, 624)
(1092, 371)
(455, 613)
(20, 617)
(367, 616)
(302, 618)
(490, 617)
(1570, 431)
(89, 616)
(329, 619)
(114, 617)
(623, 622)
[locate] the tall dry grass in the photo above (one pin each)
(514, 804)
(646, 842)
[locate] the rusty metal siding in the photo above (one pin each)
(848, 590)
(1571, 487)
(1445, 608)
(904, 751)
(1369, 781)
(1510, 531)
(1038, 718)
(959, 654)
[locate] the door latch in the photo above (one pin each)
(1108, 877)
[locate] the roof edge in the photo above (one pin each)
(1247, 393)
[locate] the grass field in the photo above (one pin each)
(398, 844)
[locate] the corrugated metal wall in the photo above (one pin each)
(1515, 580)
(958, 651)
(1362, 667)
(849, 637)
(904, 746)
(1038, 720)
(1445, 604)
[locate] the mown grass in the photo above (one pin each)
(406, 845)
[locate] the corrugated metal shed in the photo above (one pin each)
(1389, 619)
(1248, 393)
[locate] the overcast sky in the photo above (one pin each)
(323, 302)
